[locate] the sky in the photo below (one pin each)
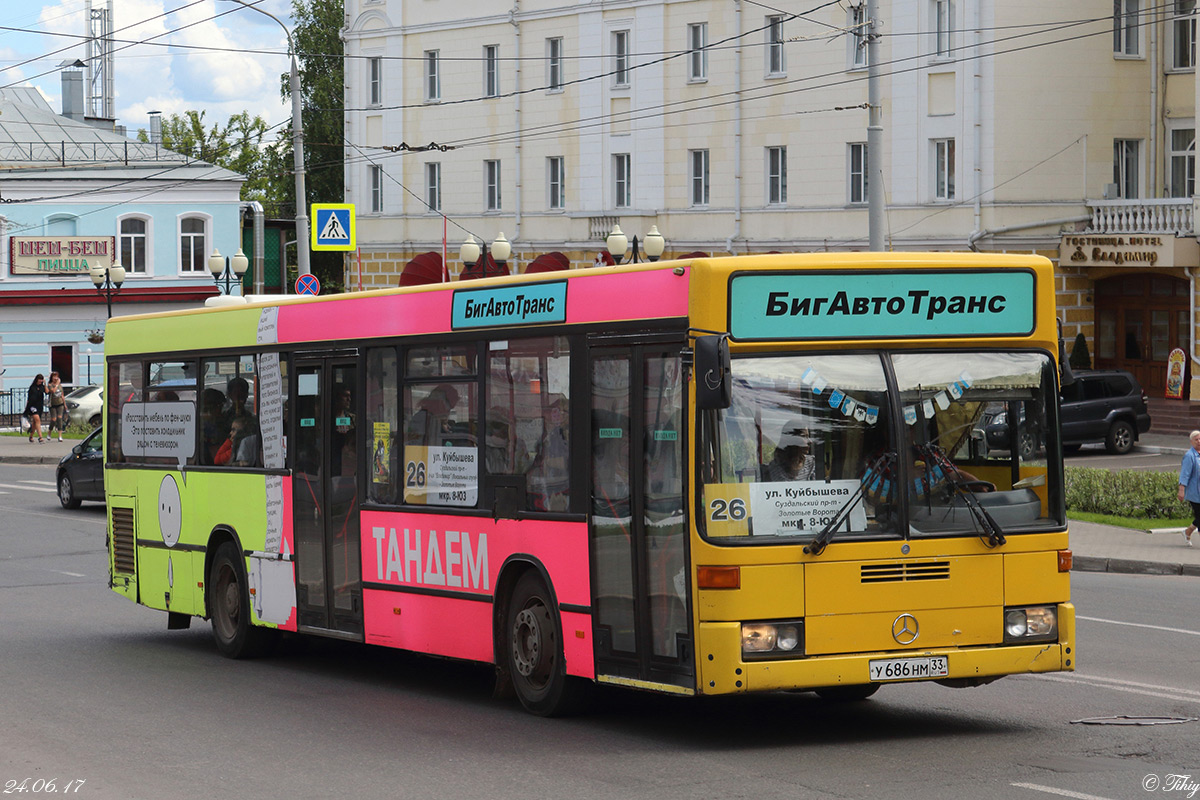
(168, 75)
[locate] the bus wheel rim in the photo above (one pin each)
(528, 647)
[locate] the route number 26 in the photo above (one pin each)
(727, 510)
(415, 475)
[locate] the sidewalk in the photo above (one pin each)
(1096, 548)
(18, 450)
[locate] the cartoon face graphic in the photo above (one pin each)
(170, 511)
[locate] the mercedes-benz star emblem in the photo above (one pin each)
(905, 629)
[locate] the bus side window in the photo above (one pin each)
(528, 420)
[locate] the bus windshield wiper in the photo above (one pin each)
(874, 472)
(989, 529)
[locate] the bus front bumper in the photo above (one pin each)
(723, 670)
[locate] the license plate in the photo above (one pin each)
(905, 669)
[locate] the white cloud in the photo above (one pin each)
(153, 77)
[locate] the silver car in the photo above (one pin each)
(85, 406)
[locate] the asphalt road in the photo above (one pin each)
(95, 689)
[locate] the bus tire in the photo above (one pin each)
(848, 694)
(229, 608)
(534, 651)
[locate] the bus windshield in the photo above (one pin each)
(899, 445)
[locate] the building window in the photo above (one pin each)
(1126, 41)
(433, 186)
(697, 55)
(556, 181)
(943, 22)
(433, 77)
(131, 247)
(376, 188)
(775, 62)
(622, 180)
(1183, 162)
(1126, 154)
(491, 70)
(1183, 35)
(491, 173)
(943, 169)
(858, 172)
(698, 160)
(776, 176)
(620, 41)
(857, 22)
(375, 80)
(193, 253)
(554, 64)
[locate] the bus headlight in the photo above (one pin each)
(784, 638)
(1030, 624)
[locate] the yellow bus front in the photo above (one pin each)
(879, 491)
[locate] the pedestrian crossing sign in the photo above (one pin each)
(333, 226)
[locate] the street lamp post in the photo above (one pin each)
(302, 243)
(653, 245)
(228, 269)
(89, 359)
(108, 282)
(471, 250)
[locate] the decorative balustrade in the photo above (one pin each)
(1172, 215)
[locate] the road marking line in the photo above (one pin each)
(1060, 792)
(27, 488)
(52, 483)
(1135, 683)
(1119, 622)
(72, 574)
(1179, 695)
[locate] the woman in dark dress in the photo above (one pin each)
(35, 406)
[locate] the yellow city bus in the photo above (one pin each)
(816, 472)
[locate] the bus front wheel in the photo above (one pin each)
(534, 651)
(229, 608)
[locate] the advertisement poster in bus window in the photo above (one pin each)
(778, 509)
(270, 408)
(444, 476)
(381, 470)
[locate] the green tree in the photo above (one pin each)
(1080, 359)
(319, 52)
(237, 145)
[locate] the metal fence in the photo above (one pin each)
(12, 403)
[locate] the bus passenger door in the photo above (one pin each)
(325, 497)
(641, 611)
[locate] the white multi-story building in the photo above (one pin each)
(734, 127)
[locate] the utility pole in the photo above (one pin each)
(874, 131)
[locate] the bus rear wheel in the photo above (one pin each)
(229, 608)
(534, 651)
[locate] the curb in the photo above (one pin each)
(1132, 567)
(52, 460)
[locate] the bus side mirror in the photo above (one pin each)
(713, 375)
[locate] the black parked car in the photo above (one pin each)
(1106, 405)
(81, 472)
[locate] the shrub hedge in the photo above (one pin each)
(1125, 493)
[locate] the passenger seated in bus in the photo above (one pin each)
(241, 448)
(431, 420)
(793, 459)
(237, 391)
(549, 475)
(212, 426)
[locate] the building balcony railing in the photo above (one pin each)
(1172, 215)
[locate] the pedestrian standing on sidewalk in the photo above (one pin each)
(1189, 484)
(58, 406)
(35, 406)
